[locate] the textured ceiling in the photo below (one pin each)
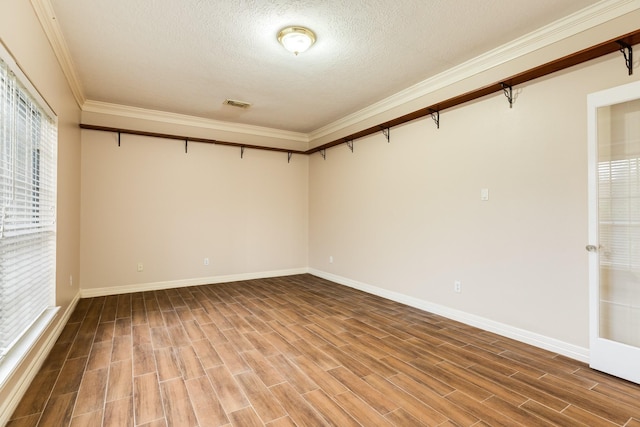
(188, 56)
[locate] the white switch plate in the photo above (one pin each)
(140, 267)
(206, 261)
(484, 194)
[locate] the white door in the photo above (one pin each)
(614, 230)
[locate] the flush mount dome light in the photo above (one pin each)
(296, 39)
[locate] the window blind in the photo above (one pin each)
(619, 213)
(28, 151)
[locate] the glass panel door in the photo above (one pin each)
(614, 148)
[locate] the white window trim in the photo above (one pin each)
(7, 57)
(14, 358)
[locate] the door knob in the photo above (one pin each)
(591, 248)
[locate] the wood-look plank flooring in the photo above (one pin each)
(302, 351)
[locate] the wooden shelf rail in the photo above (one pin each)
(189, 139)
(526, 76)
(618, 44)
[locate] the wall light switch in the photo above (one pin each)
(484, 194)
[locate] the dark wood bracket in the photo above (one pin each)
(435, 115)
(627, 52)
(186, 146)
(323, 153)
(242, 152)
(118, 138)
(349, 143)
(289, 154)
(508, 92)
(386, 131)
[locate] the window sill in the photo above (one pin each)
(21, 349)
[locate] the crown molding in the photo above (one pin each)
(186, 120)
(49, 23)
(561, 29)
(564, 28)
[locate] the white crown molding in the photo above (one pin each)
(564, 28)
(48, 21)
(156, 286)
(183, 119)
(522, 335)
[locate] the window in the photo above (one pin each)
(28, 148)
(619, 213)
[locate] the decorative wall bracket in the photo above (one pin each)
(118, 138)
(508, 92)
(349, 143)
(627, 52)
(323, 153)
(289, 154)
(435, 115)
(386, 131)
(186, 146)
(242, 152)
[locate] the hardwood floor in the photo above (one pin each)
(302, 351)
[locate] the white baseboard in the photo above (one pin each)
(522, 335)
(156, 286)
(528, 337)
(35, 362)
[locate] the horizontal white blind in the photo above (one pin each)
(619, 213)
(28, 150)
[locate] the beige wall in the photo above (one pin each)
(20, 31)
(406, 216)
(147, 201)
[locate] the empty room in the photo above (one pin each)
(319, 213)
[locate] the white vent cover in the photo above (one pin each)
(236, 103)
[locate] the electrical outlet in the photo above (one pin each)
(71, 280)
(457, 286)
(140, 267)
(331, 260)
(206, 261)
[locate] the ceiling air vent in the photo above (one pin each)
(236, 103)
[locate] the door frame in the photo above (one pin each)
(626, 363)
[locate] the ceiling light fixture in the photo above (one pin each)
(296, 39)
